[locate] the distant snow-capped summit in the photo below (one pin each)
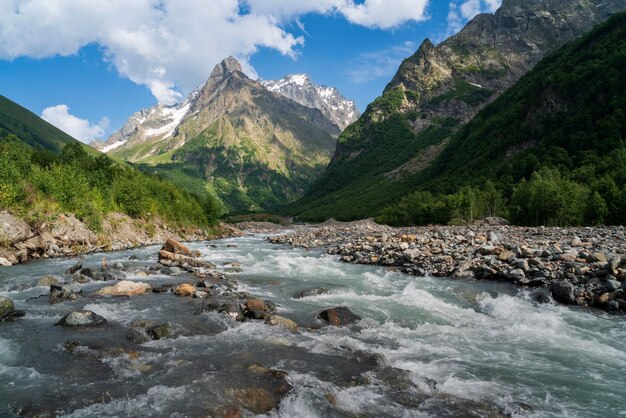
(300, 88)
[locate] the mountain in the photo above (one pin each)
(34, 131)
(299, 88)
(232, 138)
(380, 157)
(553, 146)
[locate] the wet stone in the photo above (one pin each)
(339, 316)
(82, 319)
(47, 281)
(63, 292)
(6, 306)
(316, 291)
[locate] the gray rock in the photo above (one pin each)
(82, 319)
(613, 285)
(61, 292)
(6, 306)
(563, 292)
(494, 237)
(541, 295)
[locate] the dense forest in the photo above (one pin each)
(550, 151)
(39, 184)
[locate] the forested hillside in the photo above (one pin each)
(550, 151)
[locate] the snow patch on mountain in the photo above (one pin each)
(300, 88)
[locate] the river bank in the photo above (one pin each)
(66, 236)
(574, 266)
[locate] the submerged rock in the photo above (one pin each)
(339, 316)
(82, 319)
(125, 288)
(159, 332)
(281, 321)
(257, 400)
(315, 291)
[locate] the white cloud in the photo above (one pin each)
(379, 64)
(464, 11)
(171, 46)
(382, 14)
(81, 129)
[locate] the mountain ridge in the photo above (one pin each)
(235, 139)
(436, 90)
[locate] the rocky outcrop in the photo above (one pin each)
(68, 236)
(578, 266)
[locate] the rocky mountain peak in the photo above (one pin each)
(301, 89)
(227, 66)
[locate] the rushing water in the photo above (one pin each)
(479, 341)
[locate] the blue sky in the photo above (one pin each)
(87, 70)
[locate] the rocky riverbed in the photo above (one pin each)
(67, 236)
(574, 266)
(240, 327)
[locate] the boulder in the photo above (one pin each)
(185, 289)
(175, 247)
(125, 288)
(541, 295)
(277, 320)
(47, 281)
(169, 258)
(6, 306)
(14, 229)
(82, 319)
(5, 262)
(69, 230)
(62, 292)
(338, 316)
(563, 292)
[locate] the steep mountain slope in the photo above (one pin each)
(30, 128)
(299, 88)
(567, 114)
(379, 158)
(157, 122)
(233, 138)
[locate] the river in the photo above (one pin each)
(423, 344)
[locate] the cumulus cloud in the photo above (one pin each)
(170, 46)
(81, 129)
(461, 12)
(381, 14)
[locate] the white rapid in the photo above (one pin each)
(439, 338)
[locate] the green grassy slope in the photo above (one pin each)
(30, 128)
